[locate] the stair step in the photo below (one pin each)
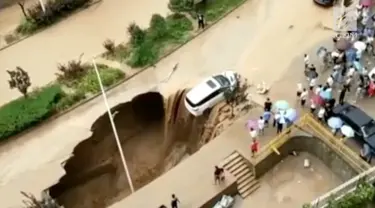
(242, 174)
(233, 162)
(245, 177)
(243, 167)
(235, 166)
(249, 191)
(247, 183)
(231, 157)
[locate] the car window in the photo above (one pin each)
(222, 80)
(211, 84)
(350, 123)
(369, 128)
(206, 99)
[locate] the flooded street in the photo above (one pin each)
(262, 40)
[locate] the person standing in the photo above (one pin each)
(279, 127)
(365, 153)
(321, 113)
(312, 106)
(342, 94)
(253, 133)
(201, 21)
(268, 105)
(175, 201)
(218, 175)
(299, 90)
(261, 125)
(304, 96)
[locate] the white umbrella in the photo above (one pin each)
(347, 131)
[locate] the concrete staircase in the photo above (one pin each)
(239, 167)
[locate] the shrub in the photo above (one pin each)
(26, 27)
(179, 25)
(71, 71)
(55, 9)
(137, 35)
(68, 100)
(109, 76)
(109, 45)
(181, 5)
(10, 38)
(23, 113)
(158, 27)
(145, 54)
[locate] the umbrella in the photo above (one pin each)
(318, 100)
(342, 44)
(366, 3)
(347, 131)
(335, 123)
(311, 74)
(252, 124)
(280, 118)
(266, 115)
(281, 105)
(326, 94)
(291, 115)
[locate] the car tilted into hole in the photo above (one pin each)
(210, 92)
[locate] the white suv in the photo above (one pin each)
(210, 92)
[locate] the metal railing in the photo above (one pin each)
(345, 188)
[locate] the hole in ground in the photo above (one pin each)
(155, 135)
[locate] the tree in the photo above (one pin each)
(22, 6)
(19, 79)
(238, 95)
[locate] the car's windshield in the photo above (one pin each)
(222, 80)
(369, 128)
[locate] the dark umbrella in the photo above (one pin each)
(311, 74)
(343, 44)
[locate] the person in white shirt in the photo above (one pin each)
(330, 81)
(304, 96)
(351, 72)
(312, 83)
(306, 60)
(321, 113)
(299, 90)
(360, 46)
(318, 89)
(261, 125)
(253, 133)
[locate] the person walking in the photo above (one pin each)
(268, 105)
(261, 124)
(175, 201)
(254, 147)
(253, 133)
(279, 127)
(299, 90)
(321, 114)
(312, 106)
(304, 96)
(201, 24)
(306, 60)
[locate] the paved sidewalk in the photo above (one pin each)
(257, 43)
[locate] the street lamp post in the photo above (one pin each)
(42, 5)
(113, 127)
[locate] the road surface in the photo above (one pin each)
(262, 40)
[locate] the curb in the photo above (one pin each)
(55, 116)
(43, 29)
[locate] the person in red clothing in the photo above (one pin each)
(254, 147)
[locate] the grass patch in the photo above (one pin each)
(70, 88)
(89, 82)
(215, 9)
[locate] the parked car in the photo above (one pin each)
(210, 92)
(362, 124)
(325, 3)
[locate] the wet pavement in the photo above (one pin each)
(263, 40)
